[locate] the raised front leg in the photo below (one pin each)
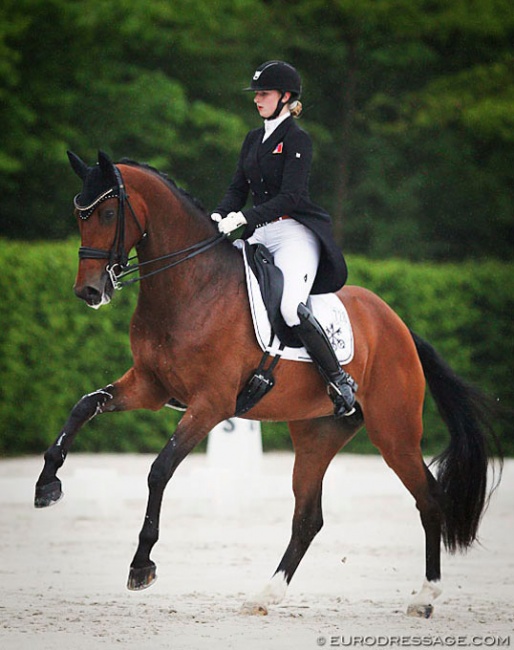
(130, 392)
(48, 486)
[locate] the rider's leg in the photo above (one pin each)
(296, 251)
(297, 256)
(341, 387)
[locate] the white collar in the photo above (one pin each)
(271, 125)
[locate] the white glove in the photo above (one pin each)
(231, 222)
(216, 216)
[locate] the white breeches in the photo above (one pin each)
(296, 251)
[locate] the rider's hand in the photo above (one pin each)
(232, 222)
(216, 216)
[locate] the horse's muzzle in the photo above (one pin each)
(95, 294)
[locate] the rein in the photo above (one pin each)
(191, 251)
(119, 263)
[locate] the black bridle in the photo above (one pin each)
(119, 266)
(117, 254)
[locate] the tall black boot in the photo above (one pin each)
(341, 387)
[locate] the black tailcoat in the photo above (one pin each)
(276, 172)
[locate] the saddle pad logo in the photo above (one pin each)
(336, 336)
(278, 148)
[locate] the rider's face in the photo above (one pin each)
(267, 100)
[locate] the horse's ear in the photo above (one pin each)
(106, 165)
(79, 166)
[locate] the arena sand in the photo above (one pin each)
(223, 531)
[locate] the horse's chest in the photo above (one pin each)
(163, 354)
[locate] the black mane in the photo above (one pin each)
(169, 181)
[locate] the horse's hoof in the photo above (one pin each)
(253, 609)
(48, 495)
(420, 611)
(141, 578)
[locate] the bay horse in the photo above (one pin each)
(192, 341)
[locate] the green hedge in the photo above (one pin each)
(53, 349)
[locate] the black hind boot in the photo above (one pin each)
(341, 387)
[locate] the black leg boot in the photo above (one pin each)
(341, 387)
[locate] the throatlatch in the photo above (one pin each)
(341, 387)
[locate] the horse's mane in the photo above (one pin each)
(169, 182)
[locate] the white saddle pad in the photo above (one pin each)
(327, 308)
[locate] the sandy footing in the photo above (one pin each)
(63, 570)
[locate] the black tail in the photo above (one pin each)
(463, 466)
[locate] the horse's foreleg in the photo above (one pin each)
(315, 443)
(190, 431)
(48, 486)
(130, 392)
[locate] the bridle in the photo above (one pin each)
(119, 265)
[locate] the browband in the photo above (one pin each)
(85, 211)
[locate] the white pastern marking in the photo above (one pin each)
(427, 594)
(274, 592)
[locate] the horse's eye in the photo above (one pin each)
(108, 215)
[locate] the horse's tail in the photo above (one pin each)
(463, 467)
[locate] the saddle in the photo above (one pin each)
(271, 284)
(276, 339)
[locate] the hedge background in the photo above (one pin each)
(53, 349)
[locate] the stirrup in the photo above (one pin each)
(342, 406)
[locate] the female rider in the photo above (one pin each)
(274, 165)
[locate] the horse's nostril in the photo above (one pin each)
(89, 294)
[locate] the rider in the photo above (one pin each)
(274, 165)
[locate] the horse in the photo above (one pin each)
(193, 343)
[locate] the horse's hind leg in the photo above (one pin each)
(401, 451)
(130, 392)
(426, 493)
(428, 503)
(315, 443)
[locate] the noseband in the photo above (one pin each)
(118, 260)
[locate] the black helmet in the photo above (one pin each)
(277, 75)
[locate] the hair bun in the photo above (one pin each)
(295, 107)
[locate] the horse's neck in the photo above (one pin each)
(172, 228)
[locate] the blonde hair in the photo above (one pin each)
(295, 108)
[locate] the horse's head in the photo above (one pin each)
(106, 236)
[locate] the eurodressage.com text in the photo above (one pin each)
(407, 641)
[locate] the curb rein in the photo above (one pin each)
(119, 265)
